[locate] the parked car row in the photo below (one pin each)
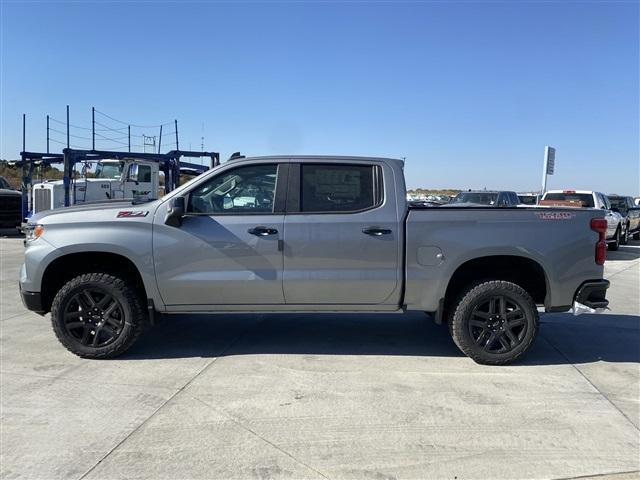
(622, 212)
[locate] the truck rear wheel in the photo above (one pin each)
(624, 238)
(97, 315)
(495, 322)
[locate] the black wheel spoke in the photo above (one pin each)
(85, 334)
(481, 314)
(86, 295)
(102, 317)
(502, 305)
(109, 331)
(504, 342)
(477, 323)
(514, 314)
(72, 315)
(511, 336)
(96, 335)
(112, 306)
(517, 322)
(74, 325)
(478, 341)
(490, 341)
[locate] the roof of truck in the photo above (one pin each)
(315, 158)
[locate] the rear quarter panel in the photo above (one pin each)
(559, 240)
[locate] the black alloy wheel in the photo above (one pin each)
(93, 317)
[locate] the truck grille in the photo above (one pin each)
(41, 200)
(10, 210)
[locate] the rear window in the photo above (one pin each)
(527, 199)
(481, 198)
(584, 199)
(619, 202)
(340, 188)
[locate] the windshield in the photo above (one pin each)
(109, 170)
(583, 199)
(4, 184)
(482, 198)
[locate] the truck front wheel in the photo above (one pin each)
(495, 322)
(97, 315)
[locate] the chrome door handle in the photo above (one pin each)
(262, 231)
(376, 231)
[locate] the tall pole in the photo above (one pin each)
(129, 130)
(160, 139)
(93, 128)
(67, 126)
(176, 125)
(47, 133)
(24, 138)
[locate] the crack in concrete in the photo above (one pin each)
(256, 434)
(178, 391)
(562, 354)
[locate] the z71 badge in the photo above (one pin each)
(132, 213)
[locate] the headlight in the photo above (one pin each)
(35, 233)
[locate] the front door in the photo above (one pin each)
(342, 244)
(139, 182)
(227, 250)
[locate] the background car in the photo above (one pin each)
(484, 198)
(588, 199)
(630, 216)
(10, 205)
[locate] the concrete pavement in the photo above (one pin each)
(322, 396)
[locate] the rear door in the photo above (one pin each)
(341, 244)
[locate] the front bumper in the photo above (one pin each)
(593, 294)
(32, 300)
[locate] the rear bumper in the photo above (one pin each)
(32, 300)
(593, 294)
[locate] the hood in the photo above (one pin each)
(88, 207)
(10, 193)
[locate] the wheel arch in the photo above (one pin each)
(65, 267)
(523, 271)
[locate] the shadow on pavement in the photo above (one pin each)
(10, 233)
(631, 251)
(563, 338)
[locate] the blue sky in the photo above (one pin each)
(469, 92)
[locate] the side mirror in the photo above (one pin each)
(175, 212)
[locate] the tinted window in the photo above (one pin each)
(480, 198)
(249, 189)
(581, 199)
(527, 199)
(339, 188)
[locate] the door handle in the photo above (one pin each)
(376, 231)
(262, 231)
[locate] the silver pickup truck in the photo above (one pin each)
(310, 234)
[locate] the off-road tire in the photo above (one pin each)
(615, 245)
(624, 238)
(131, 309)
(473, 298)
